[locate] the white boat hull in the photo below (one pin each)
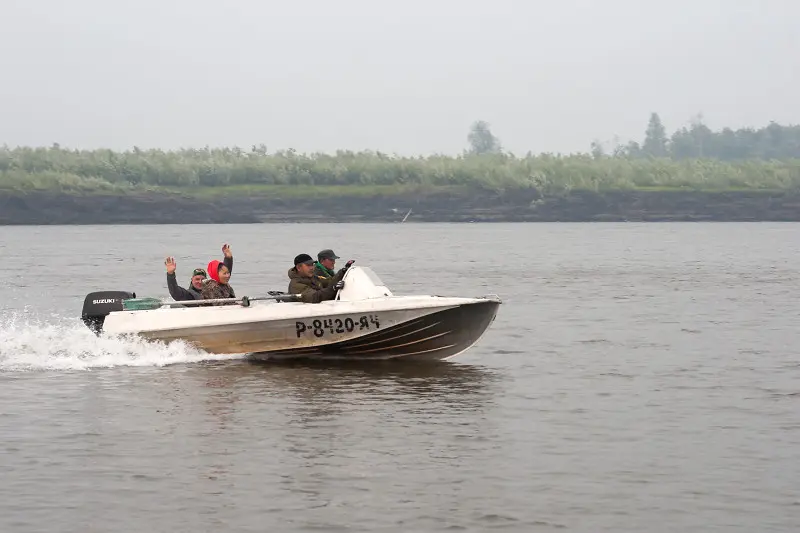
(366, 321)
(411, 327)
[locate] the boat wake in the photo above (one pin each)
(28, 343)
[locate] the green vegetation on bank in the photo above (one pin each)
(772, 162)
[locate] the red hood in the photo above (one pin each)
(213, 270)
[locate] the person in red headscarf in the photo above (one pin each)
(195, 290)
(218, 286)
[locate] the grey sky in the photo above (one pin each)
(402, 77)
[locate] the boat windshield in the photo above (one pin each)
(361, 283)
(373, 277)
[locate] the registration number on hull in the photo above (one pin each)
(329, 326)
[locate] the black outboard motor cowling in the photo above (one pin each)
(98, 305)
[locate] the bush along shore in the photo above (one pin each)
(59, 186)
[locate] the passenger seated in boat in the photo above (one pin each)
(195, 290)
(218, 286)
(303, 282)
(323, 268)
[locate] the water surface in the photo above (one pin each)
(637, 378)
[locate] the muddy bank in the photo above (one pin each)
(54, 208)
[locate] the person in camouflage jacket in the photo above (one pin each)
(218, 286)
(198, 279)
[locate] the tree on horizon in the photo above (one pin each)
(655, 138)
(482, 140)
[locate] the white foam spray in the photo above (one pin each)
(29, 343)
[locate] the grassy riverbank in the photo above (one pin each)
(197, 172)
(58, 186)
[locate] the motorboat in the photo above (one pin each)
(364, 321)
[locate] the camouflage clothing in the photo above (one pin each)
(213, 290)
(180, 294)
(312, 290)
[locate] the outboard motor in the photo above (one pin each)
(98, 305)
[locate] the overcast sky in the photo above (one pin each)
(403, 77)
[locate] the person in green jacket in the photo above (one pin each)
(323, 268)
(304, 283)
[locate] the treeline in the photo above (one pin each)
(58, 168)
(698, 141)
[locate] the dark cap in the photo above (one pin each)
(327, 254)
(199, 272)
(303, 258)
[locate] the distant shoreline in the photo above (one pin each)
(53, 185)
(434, 205)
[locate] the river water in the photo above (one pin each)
(637, 378)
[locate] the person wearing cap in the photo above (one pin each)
(323, 268)
(199, 275)
(309, 287)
